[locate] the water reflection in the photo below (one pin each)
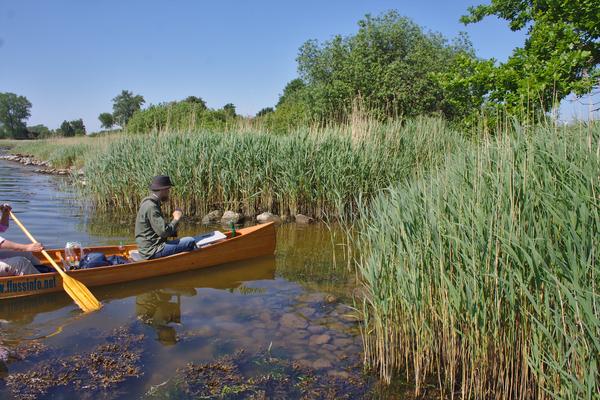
(290, 304)
(157, 309)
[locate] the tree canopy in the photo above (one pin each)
(560, 56)
(14, 111)
(390, 64)
(125, 105)
(72, 128)
(107, 120)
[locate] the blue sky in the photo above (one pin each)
(71, 57)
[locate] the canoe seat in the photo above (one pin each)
(135, 255)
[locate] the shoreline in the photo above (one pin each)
(214, 216)
(47, 169)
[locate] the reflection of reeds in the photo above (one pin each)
(313, 172)
(485, 274)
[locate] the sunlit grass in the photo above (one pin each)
(319, 172)
(484, 275)
(62, 152)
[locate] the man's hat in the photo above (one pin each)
(160, 182)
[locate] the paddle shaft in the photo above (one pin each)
(30, 236)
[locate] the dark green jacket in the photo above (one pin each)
(151, 230)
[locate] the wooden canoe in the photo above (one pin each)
(248, 243)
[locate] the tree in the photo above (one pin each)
(229, 109)
(78, 127)
(560, 56)
(292, 92)
(66, 129)
(39, 131)
(265, 111)
(125, 105)
(14, 110)
(390, 65)
(196, 100)
(107, 120)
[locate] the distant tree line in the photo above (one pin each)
(15, 110)
(190, 114)
(391, 68)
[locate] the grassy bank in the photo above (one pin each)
(62, 152)
(314, 172)
(484, 275)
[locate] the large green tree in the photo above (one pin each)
(125, 105)
(39, 131)
(78, 127)
(66, 129)
(196, 100)
(14, 111)
(72, 128)
(229, 110)
(390, 65)
(560, 56)
(107, 120)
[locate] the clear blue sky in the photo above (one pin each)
(71, 57)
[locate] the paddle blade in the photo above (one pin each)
(80, 294)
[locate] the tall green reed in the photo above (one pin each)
(317, 172)
(484, 275)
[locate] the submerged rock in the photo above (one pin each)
(303, 219)
(268, 217)
(321, 363)
(291, 320)
(231, 216)
(319, 339)
(212, 217)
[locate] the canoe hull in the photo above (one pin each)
(251, 242)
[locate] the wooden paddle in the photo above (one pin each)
(77, 290)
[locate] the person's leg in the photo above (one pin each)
(6, 270)
(176, 246)
(21, 266)
(11, 253)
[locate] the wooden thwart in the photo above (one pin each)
(77, 290)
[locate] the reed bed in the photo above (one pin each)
(318, 172)
(483, 277)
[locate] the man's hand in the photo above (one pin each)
(5, 208)
(33, 247)
(177, 214)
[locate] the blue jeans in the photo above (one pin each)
(176, 246)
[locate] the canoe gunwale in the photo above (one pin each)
(143, 269)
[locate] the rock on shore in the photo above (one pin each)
(47, 167)
(212, 217)
(267, 217)
(231, 216)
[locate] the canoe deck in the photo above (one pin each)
(254, 241)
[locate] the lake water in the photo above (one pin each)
(273, 327)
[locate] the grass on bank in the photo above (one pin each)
(319, 172)
(485, 274)
(62, 152)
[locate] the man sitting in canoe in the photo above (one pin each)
(15, 258)
(151, 229)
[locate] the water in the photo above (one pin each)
(276, 327)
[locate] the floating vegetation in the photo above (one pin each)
(100, 370)
(260, 376)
